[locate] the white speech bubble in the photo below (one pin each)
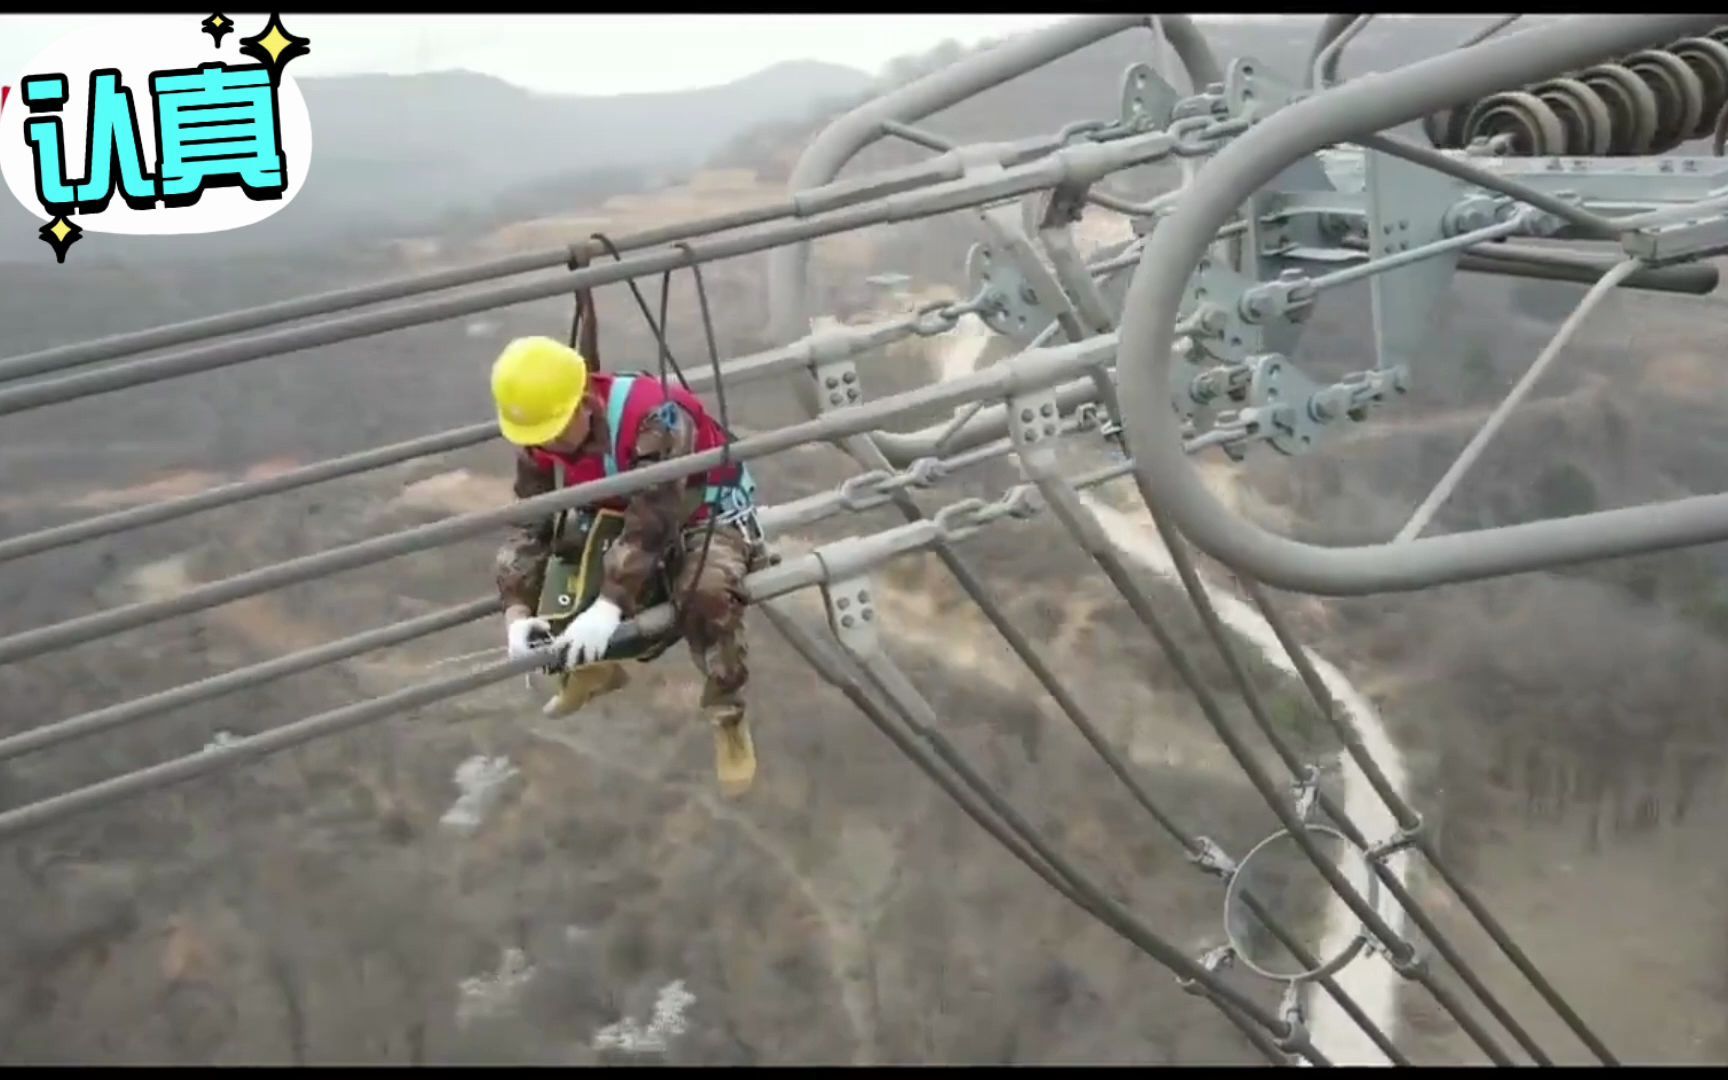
(136, 51)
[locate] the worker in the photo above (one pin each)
(695, 537)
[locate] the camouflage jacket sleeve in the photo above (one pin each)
(654, 515)
(521, 562)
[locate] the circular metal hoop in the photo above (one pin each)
(1327, 967)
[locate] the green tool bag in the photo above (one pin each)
(571, 587)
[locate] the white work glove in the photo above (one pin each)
(521, 634)
(586, 638)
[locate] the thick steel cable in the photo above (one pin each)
(1085, 530)
(58, 536)
(749, 368)
(843, 674)
(244, 678)
(1058, 167)
(1431, 931)
(869, 456)
(1410, 823)
(183, 333)
(1478, 443)
(1027, 369)
(1082, 721)
(918, 715)
(746, 368)
(767, 583)
(803, 512)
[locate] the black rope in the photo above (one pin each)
(576, 263)
(725, 426)
(658, 329)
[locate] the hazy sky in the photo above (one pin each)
(581, 54)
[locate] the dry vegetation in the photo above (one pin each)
(313, 909)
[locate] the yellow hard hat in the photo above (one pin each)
(537, 384)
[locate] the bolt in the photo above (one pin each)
(1048, 409)
(867, 614)
(832, 382)
(843, 603)
(1028, 295)
(863, 596)
(833, 399)
(1025, 416)
(852, 394)
(849, 378)
(847, 622)
(1050, 429)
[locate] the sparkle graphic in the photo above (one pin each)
(60, 234)
(217, 26)
(274, 46)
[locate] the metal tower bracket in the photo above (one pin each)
(1147, 100)
(852, 615)
(1025, 293)
(1407, 207)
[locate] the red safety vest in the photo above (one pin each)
(628, 399)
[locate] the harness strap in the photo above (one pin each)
(727, 500)
(621, 387)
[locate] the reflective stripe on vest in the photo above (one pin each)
(615, 402)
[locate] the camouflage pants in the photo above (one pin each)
(713, 616)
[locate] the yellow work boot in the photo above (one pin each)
(577, 688)
(734, 750)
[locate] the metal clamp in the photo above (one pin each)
(1305, 791)
(1213, 960)
(1034, 418)
(1212, 858)
(1398, 841)
(852, 615)
(1295, 1038)
(836, 383)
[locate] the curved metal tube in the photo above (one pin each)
(1372, 103)
(1324, 71)
(1328, 33)
(841, 141)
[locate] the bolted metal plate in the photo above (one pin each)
(1214, 290)
(852, 615)
(1034, 417)
(1013, 309)
(1008, 265)
(1147, 100)
(1278, 235)
(1278, 385)
(1251, 88)
(1407, 205)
